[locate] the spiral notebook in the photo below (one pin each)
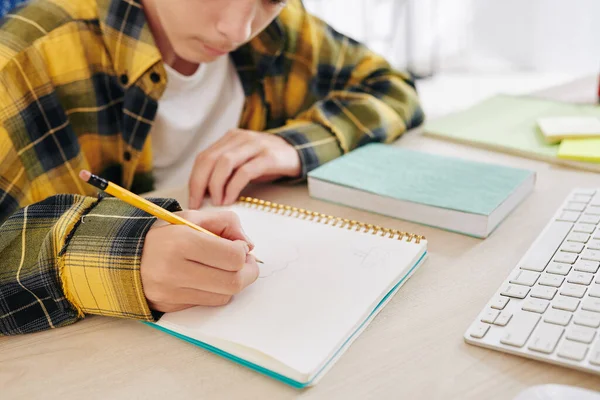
(324, 279)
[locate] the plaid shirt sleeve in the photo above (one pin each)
(347, 94)
(72, 255)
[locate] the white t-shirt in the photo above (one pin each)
(194, 112)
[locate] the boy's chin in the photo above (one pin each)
(198, 57)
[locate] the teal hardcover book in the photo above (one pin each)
(319, 287)
(445, 192)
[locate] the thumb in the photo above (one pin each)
(226, 224)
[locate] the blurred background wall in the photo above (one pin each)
(466, 50)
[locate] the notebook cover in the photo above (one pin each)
(282, 378)
(417, 177)
(509, 124)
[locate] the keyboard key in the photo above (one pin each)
(591, 304)
(587, 318)
(588, 192)
(479, 330)
(546, 338)
(503, 319)
(558, 317)
(594, 291)
(526, 278)
(592, 255)
(595, 354)
(597, 234)
(534, 305)
(551, 280)
(572, 350)
(490, 316)
(578, 237)
(586, 266)
(581, 334)
(581, 278)
(592, 210)
(593, 244)
(569, 216)
(595, 200)
(584, 228)
(572, 247)
(500, 302)
(573, 290)
(516, 291)
(575, 206)
(590, 219)
(565, 303)
(543, 292)
(542, 250)
(520, 328)
(583, 198)
(563, 257)
(558, 268)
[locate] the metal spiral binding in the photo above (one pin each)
(329, 219)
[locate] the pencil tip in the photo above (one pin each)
(85, 175)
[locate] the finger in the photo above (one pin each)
(253, 169)
(204, 165)
(225, 224)
(226, 164)
(198, 180)
(217, 252)
(202, 277)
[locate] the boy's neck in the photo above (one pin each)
(164, 45)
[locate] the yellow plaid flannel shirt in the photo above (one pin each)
(80, 82)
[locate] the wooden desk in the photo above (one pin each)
(413, 350)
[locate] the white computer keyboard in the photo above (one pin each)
(548, 308)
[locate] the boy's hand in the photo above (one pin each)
(182, 267)
(240, 157)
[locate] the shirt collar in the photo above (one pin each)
(128, 38)
(254, 59)
(269, 43)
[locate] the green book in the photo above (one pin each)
(510, 124)
(462, 196)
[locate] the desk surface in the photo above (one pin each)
(414, 349)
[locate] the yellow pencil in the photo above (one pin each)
(140, 202)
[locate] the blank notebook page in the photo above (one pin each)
(317, 285)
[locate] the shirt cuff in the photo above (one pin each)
(100, 269)
(314, 143)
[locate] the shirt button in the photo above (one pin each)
(127, 156)
(155, 77)
(124, 79)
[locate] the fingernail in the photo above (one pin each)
(248, 240)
